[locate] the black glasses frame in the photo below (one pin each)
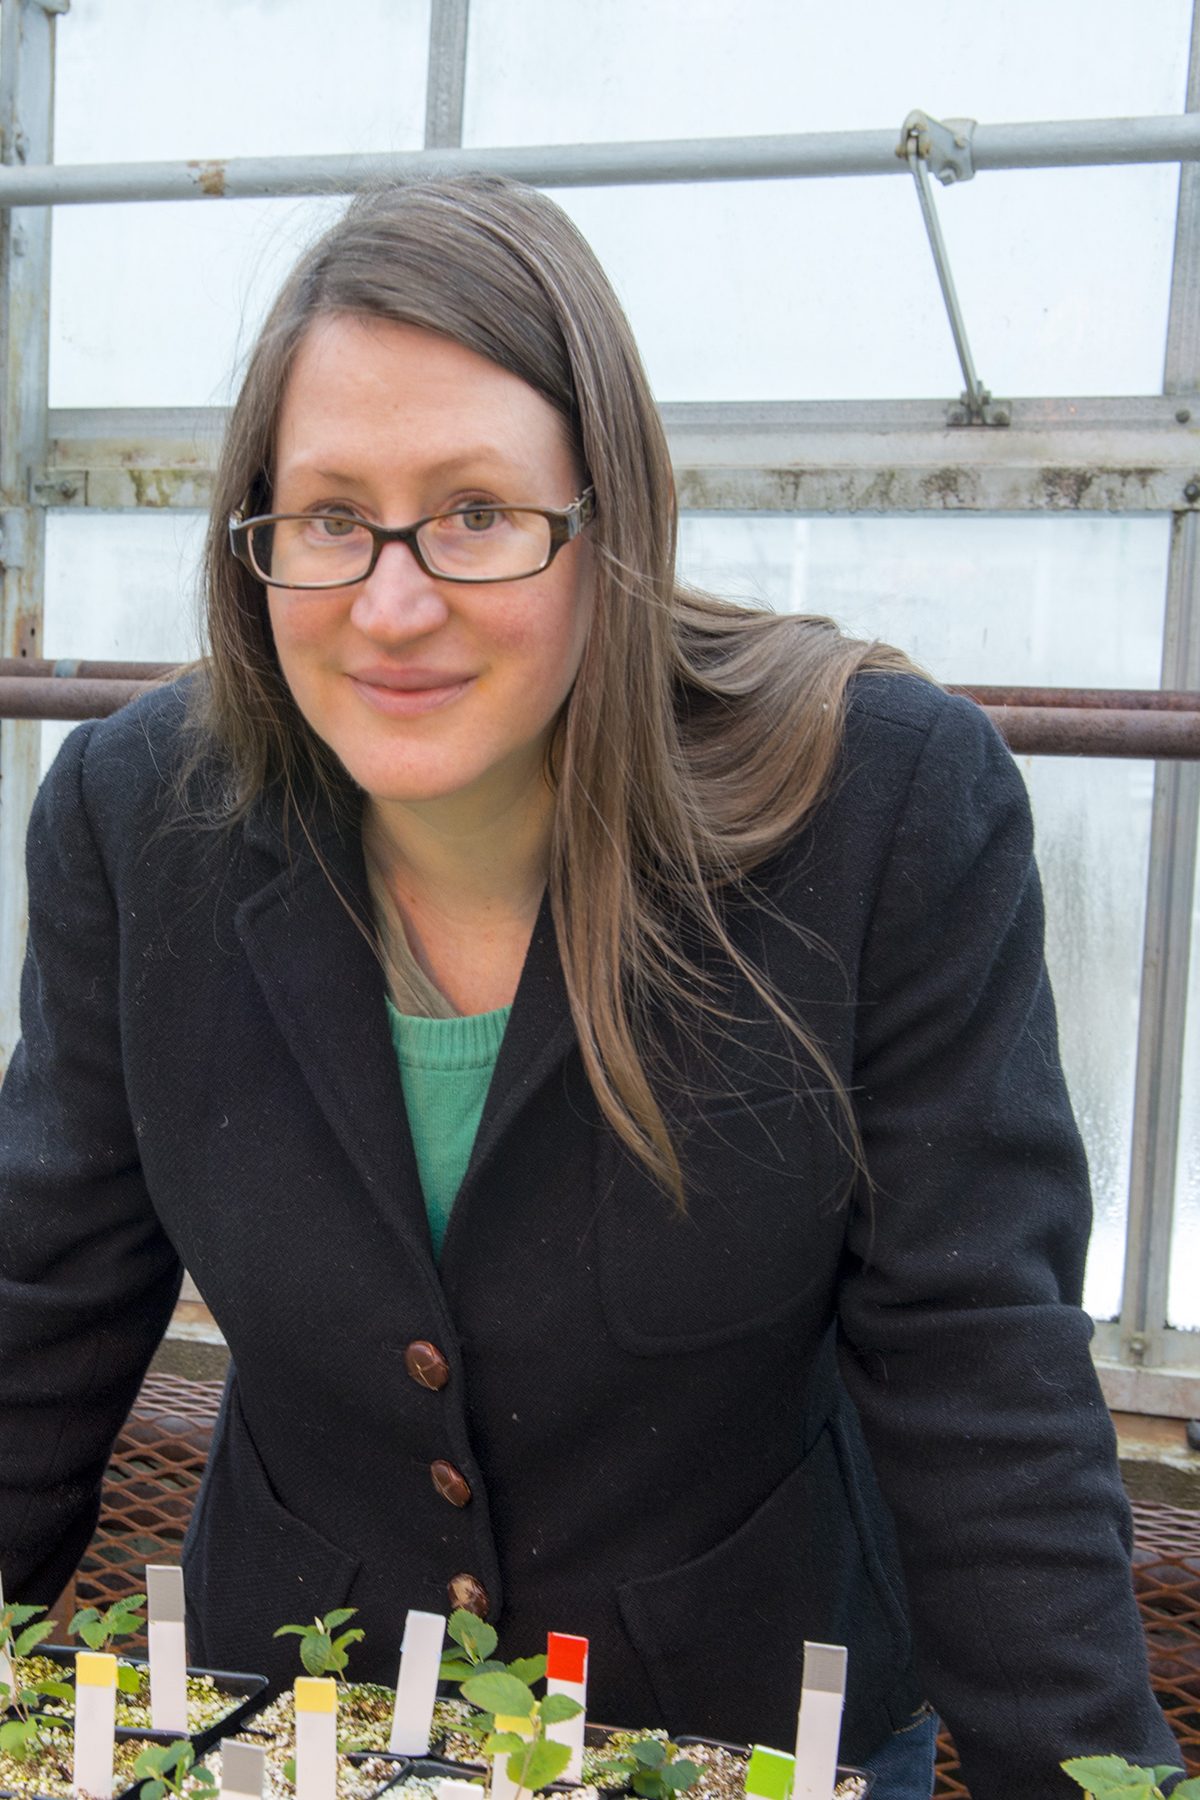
(565, 524)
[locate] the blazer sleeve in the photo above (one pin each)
(87, 1278)
(962, 1340)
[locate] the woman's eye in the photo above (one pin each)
(332, 525)
(479, 518)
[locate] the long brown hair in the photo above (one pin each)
(699, 735)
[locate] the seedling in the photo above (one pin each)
(652, 1768)
(100, 1631)
(320, 1651)
(1112, 1778)
(519, 1722)
(475, 1641)
(25, 1729)
(171, 1769)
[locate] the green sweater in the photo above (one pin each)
(445, 1070)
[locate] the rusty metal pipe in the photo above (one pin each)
(67, 668)
(37, 697)
(1077, 731)
(1156, 725)
(1099, 699)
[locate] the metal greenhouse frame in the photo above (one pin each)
(971, 453)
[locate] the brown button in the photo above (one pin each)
(426, 1364)
(450, 1483)
(468, 1593)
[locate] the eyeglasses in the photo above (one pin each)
(469, 544)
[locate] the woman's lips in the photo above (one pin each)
(408, 696)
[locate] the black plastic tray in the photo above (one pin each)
(844, 1772)
(249, 1690)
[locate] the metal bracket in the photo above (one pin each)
(946, 148)
(945, 145)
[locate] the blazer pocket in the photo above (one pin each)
(722, 1637)
(760, 1238)
(250, 1565)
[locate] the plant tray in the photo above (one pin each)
(245, 1691)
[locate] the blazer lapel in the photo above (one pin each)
(306, 935)
(538, 1036)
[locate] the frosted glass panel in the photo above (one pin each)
(153, 305)
(1183, 1295)
(120, 587)
(139, 81)
(1070, 602)
(541, 72)
(826, 289)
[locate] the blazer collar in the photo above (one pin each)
(307, 934)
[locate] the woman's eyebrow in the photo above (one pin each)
(484, 456)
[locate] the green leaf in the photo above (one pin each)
(557, 1707)
(501, 1743)
(33, 1634)
(315, 1649)
(14, 1737)
(349, 1637)
(56, 1690)
(94, 1634)
(12, 1616)
(500, 1692)
(650, 1752)
(527, 1668)
(129, 1679)
(86, 1615)
(292, 1631)
(289, 1770)
(476, 1636)
(544, 1764)
(1111, 1777)
(338, 1616)
(649, 1784)
(1187, 1790)
(153, 1790)
(681, 1775)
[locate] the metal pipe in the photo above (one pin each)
(27, 667)
(34, 697)
(1080, 729)
(1071, 143)
(1093, 699)
(1072, 731)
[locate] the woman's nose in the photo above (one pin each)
(398, 599)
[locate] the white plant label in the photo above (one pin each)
(459, 1790)
(566, 1673)
(95, 1723)
(6, 1674)
(416, 1684)
(167, 1637)
(819, 1728)
(316, 1737)
(243, 1770)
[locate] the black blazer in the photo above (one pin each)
(657, 1417)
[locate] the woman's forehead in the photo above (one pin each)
(386, 391)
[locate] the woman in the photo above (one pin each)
(708, 948)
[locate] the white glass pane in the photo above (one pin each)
(1062, 602)
(120, 587)
(824, 289)
(1183, 1293)
(540, 72)
(154, 304)
(142, 81)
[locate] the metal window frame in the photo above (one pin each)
(1137, 455)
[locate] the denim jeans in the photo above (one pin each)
(903, 1766)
